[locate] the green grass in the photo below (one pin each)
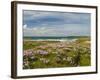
(76, 54)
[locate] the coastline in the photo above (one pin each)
(61, 40)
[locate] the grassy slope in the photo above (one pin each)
(78, 54)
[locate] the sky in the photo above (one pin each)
(50, 23)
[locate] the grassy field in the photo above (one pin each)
(50, 54)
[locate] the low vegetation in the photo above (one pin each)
(50, 54)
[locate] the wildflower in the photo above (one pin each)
(42, 52)
(64, 59)
(28, 52)
(32, 58)
(41, 59)
(69, 59)
(26, 64)
(44, 60)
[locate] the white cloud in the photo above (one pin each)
(34, 29)
(25, 26)
(43, 28)
(65, 30)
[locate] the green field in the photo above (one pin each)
(50, 54)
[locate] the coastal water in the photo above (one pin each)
(69, 38)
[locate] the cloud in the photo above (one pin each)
(35, 29)
(25, 26)
(38, 18)
(43, 23)
(66, 30)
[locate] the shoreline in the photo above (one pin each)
(61, 40)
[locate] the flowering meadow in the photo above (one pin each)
(54, 54)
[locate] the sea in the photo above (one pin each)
(69, 38)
